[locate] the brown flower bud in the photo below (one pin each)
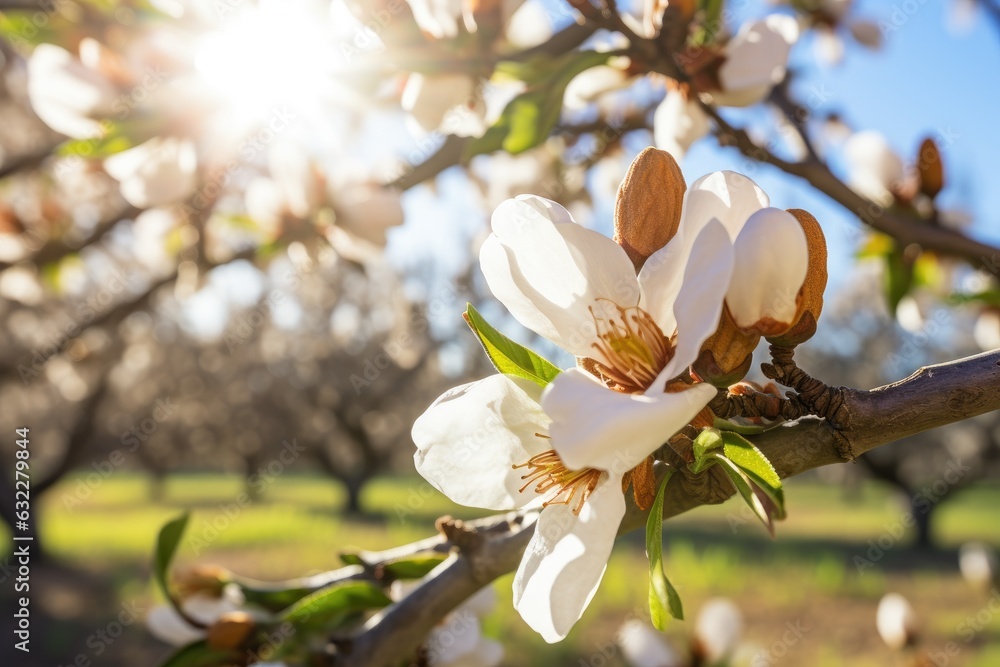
(210, 579)
(727, 355)
(810, 298)
(230, 631)
(648, 209)
(930, 169)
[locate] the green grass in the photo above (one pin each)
(809, 574)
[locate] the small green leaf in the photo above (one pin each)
(95, 149)
(414, 567)
(329, 607)
(507, 356)
(663, 597)
(745, 488)
(199, 655)
(528, 119)
(706, 441)
(349, 558)
(762, 474)
(898, 278)
(166, 545)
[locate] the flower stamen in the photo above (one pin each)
(548, 472)
(632, 349)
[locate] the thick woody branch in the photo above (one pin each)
(933, 396)
(904, 228)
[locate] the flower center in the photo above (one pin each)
(632, 349)
(563, 486)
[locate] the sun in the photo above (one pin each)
(274, 55)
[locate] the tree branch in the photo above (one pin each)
(933, 396)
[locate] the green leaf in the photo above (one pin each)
(706, 441)
(166, 545)
(987, 297)
(528, 119)
(745, 429)
(898, 278)
(743, 485)
(329, 607)
(507, 356)
(414, 567)
(349, 558)
(95, 149)
(199, 655)
(663, 597)
(752, 461)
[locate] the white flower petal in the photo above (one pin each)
(368, 210)
(698, 305)
(678, 123)
(596, 427)
(67, 95)
(772, 257)
(158, 172)
(718, 629)
(469, 439)
(873, 168)
(756, 59)
(550, 272)
(896, 621)
(430, 99)
(166, 625)
(454, 639)
(645, 646)
(726, 196)
(565, 560)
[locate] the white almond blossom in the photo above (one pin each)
(457, 640)
(753, 62)
(874, 170)
(718, 630)
(166, 624)
(642, 645)
(66, 95)
(896, 621)
(978, 564)
(160, 171)
(504, 443)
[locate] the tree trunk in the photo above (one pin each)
(354, 487)
(922, 514)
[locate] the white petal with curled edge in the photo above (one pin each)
(678, 123)
(683, 284)
(565, 560)
(158, 172)
(772, 257)
(67, 95)
(726, 196)
(553, 274)
(756, 59)
(470, 438)
(596, 427)
(698, 305)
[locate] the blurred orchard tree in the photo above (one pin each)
(208, 258)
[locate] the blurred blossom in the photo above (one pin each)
(530, 25)
(68, 96)
(166, 624)
(678, 122)
(874, 170)
(435, 100)
(297, 177)
(159, 172)
(366, 210)
(457, 640)
(987, 329)
(756, 59)
(896, 621)
(590, 84)
(718, 629)
(642, 645)
(978, 564)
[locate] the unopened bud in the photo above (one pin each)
(727, 355)
(810, 299)
(230, 631)
(208, 579)
(648, 208)
(930, 168)
(770, 267)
